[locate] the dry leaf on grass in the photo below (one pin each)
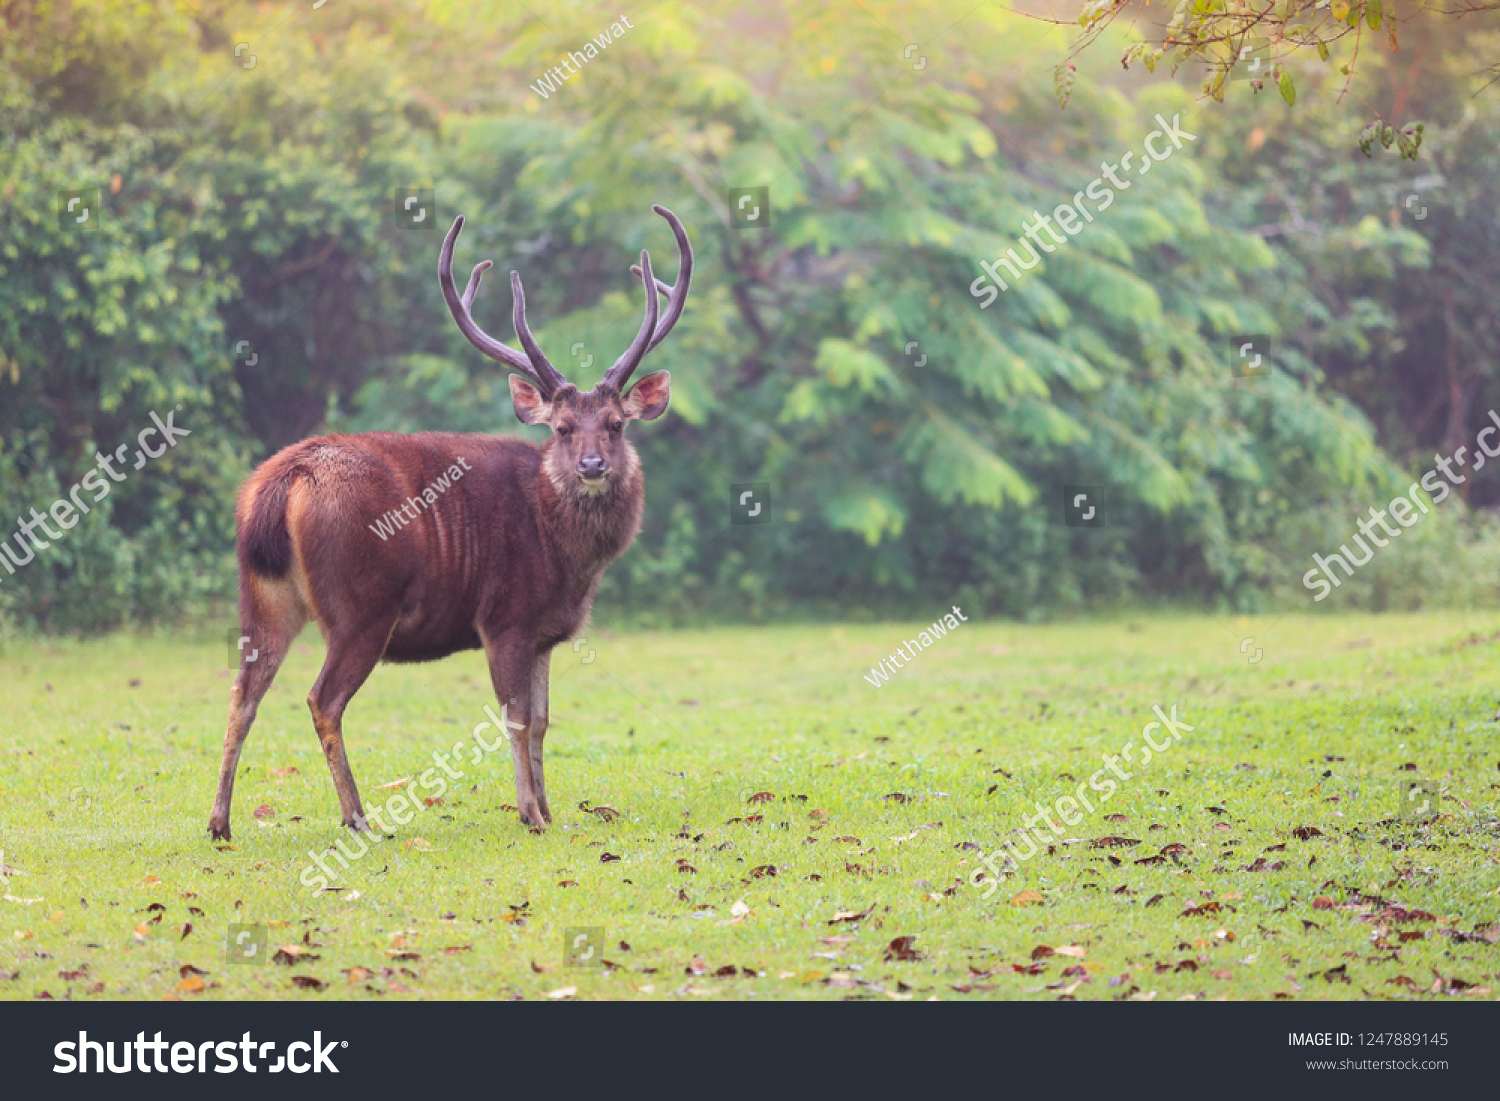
(852, 915)
(902, 949)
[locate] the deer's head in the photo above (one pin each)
(588, 447)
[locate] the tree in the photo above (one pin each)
(1258, 42)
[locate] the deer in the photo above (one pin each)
(507, 558)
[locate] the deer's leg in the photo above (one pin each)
(512, 658)
(353, 652)
(539, 729)
(270, 617)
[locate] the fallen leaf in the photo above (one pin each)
(395, 784)
(420, 843)
(307, 982)
(1027, 898)
(1077, 951)
(852, 915)
(1209, 907)
(149, 881)
(264, 811)
(902, 949)
(190, 985)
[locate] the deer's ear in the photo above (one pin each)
(648, 398)
(530, 406)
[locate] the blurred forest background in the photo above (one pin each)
(248, 263)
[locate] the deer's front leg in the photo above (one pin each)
(539, 728)
(512, 659)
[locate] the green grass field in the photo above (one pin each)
(782, 826)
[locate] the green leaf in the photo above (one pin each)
(1062, 82)
(1340, 9)
(1288, 91)
(1373, 11)
(845, 364)
(1322, 49)
(867, 511)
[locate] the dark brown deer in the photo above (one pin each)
(507, 557)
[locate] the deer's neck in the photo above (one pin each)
(591, 530)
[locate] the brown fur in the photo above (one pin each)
(507, 559)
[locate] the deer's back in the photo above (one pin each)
(440, 527)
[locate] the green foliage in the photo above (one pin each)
(917, 437)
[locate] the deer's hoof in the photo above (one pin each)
(218, 833)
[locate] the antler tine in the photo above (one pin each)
(473, 288)
(458, 306)
(676, 295)
(625, 366)
(541, 366)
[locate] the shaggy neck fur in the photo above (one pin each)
(592, 525)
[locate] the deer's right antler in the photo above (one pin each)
(533, 364)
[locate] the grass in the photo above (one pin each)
(877, 800)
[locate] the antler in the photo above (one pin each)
(534, 364)
(620, 373)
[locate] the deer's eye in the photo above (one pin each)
(564, 430)
(617, 427)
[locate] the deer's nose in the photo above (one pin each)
(593, 466)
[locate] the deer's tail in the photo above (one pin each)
(264, 543)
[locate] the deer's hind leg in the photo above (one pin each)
(354, 649)
(271, 615)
